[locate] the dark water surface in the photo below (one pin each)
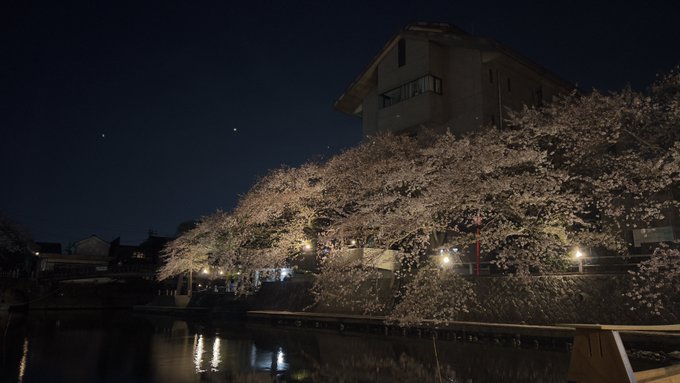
(120, 346)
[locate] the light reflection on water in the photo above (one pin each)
(259, 360)
(198, 352)
(215, 362)
(22, 363)
(268, 360)
(120, 347)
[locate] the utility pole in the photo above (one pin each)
(478, 222)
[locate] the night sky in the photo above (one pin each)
(120, 117)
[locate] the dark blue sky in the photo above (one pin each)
(120, 117)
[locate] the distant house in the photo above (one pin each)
(147, 252)
(91, 245)
(89, 252)
(437, 76)
(153, 247)
(124, 254)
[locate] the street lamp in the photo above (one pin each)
(579, 257)
(445, 257)
(307, 246)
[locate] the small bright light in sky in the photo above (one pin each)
(103, 135)
(235, 129)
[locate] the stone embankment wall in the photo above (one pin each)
(292, 295)
(540, 300)
(563, 299)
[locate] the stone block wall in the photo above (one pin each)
(563, 299)
(503, 299)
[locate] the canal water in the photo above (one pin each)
(122, 346)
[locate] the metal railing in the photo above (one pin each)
(615, 264)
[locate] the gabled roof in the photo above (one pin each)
(89, 239)
(351, 100)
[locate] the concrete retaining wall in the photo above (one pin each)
(563, 299)
(543, 300)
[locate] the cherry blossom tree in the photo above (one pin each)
(655, 281)
(579, 172)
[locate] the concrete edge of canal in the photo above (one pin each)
(517, 335)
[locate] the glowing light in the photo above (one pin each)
(206, 271)
(37, 253)
(216, 358)
(353, 242)
(280, 357)
(239, 273)
(578, 253)
(221, 272)
(446, 259)
(308, 246)
(22, 364)
(281, 364)
(198, 353)
(455, 249)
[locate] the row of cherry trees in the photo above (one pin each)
(582, 171)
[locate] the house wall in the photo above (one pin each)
(91, 246)
(390, 75)
(409, 113)
(462, 90)
(370, 113)
(475, 89)
(526, 87)
(422, 58)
